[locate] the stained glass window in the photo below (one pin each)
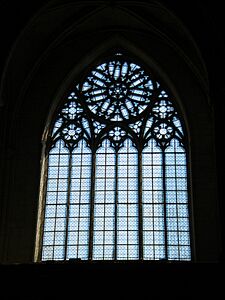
(116, 186)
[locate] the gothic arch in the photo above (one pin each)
(137, 138)
(55, 55)
(119, 42)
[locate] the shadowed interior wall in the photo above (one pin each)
(57, 44)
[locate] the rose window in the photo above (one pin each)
(117, 90)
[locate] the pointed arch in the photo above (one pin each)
(124, 136)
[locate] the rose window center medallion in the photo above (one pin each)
(117, 91)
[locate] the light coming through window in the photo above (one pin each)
(116, 183)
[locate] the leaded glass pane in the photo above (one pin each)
(177, 196)
(54, 225)
(104, 208)
(127, 201)
(152, 196)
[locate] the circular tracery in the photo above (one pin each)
(117, 90)
(163, 131)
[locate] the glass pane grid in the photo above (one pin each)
(104, 209)
(177, 216)
(178, 236)
(127, 218)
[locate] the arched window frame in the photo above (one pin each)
(48, 145)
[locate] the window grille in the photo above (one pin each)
(117, 177)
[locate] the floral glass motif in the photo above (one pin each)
(117, 179)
